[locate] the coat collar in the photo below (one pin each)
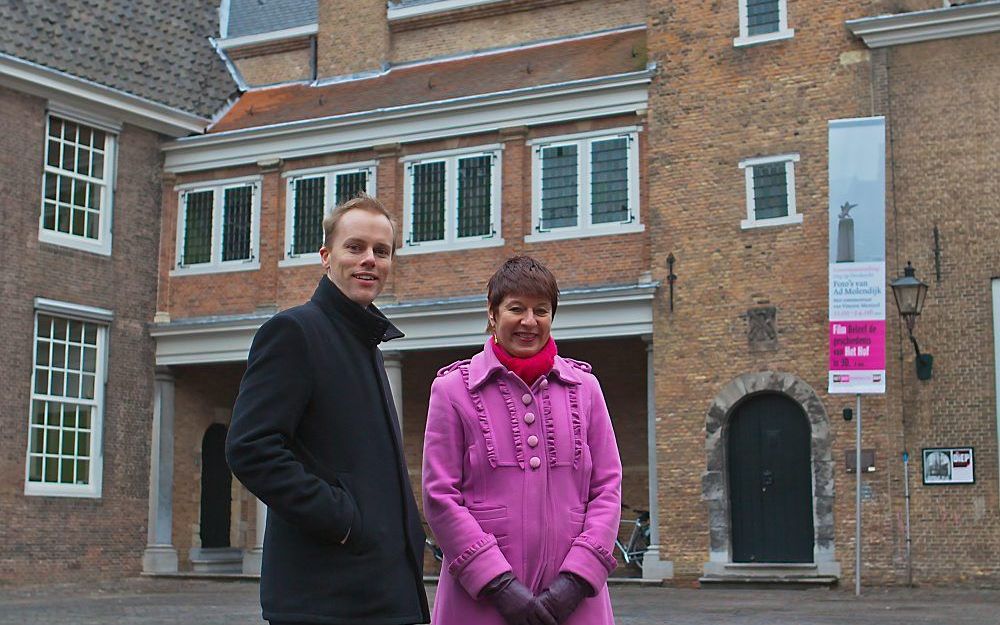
(485, 364)
(369, 324)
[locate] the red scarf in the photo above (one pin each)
(531, 368)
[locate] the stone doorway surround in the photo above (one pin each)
(715, 487)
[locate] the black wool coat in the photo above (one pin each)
(314, 436)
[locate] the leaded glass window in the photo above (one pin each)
(585, 184)
(428, 202)
(237, 210)
(763, 16)
(313, 195)
(65, 401)
(76, 179)
(217, 226)
(350, 184)
(475, 192)
(560, 193)
(307, 214)
(452, 200)
(198, 207)
(770, 191)
(609, 180)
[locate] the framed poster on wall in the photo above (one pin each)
(948, 465)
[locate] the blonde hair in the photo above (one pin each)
(361, 201)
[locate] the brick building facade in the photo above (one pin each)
(80, 171)
(667, 160)
(716, 97)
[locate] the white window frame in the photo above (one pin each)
(584, 227)
(101, 318)
(793, 217)
(329, 203)
(451, 241)
(216, 264)
(783, 32)
(111, 130)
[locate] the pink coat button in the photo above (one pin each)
(544, 383)
(532, 441)
(526, 398)
(529, 417)
(535, 462)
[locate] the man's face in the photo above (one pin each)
(359, 258)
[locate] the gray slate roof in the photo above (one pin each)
(250, 17)
(156, 49)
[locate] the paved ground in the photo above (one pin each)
(196, 602)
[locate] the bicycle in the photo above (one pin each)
(633, 551)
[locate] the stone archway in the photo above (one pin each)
(715, 489)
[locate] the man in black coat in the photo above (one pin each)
(314, 436)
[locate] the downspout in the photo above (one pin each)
(902, 381)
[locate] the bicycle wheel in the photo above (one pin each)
(637, 546)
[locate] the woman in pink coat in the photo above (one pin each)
(521, 474)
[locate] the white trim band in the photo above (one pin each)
(269, 37)
(602, 312)
(954, 21)
(400, 12)
(74, 311)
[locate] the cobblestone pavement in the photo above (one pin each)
(199, 602)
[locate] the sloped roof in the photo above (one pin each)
(155, 49)
(530, 66)
(252, 17)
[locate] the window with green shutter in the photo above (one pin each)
(218, 226)
(237, 213)
(560, 188)
(307, 214)
(452, 201)
(198, 209)
(770, 191)
(763, 16)
(609, 180)
(585, 185)
(428, 202)
(313, 194)
(475, 192)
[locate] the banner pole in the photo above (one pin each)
(857, 502)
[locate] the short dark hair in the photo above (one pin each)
(521, 275)
(361, 201)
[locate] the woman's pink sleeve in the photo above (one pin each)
(471, 555)
(591, 555)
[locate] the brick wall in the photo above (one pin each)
(546, 20)
(942, 99)
(713, 105)
(269, 67)
(64, 538)
(353, 37)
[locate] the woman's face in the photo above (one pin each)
(523, 324)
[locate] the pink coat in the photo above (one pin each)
(522, 479)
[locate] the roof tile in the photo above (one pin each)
(155, 49)
(591, 57)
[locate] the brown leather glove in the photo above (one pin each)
(564, 594)
(515, 602)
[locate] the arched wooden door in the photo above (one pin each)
(770, 481)
(216, 489)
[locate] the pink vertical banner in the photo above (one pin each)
(857, 286)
